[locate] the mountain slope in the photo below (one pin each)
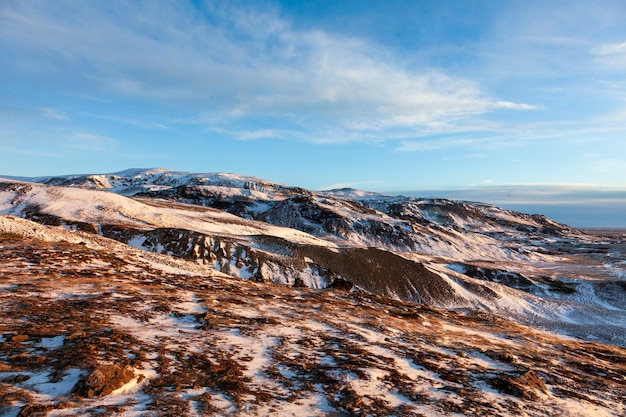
(435, 227)
(91, 326)
(443, 253)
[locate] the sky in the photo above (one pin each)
(463, 98)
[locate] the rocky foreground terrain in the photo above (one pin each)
(152, 292)
(90, 326)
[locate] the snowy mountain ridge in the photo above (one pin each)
(134, 180)
(254, 197)
(436, 251)
(154, 292)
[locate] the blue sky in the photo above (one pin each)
(384, 96)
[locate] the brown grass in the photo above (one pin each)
(311, 343)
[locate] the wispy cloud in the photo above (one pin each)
(226, 68)
(87, 141)
(55, 143)
(485, 137)
(612, 56)
(258, 134)
(53, 114)
(515, 106)
(441, 143)
(241, 64)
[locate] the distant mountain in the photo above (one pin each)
(444, 253)
(346, 216)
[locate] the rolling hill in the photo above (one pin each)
(341, 301)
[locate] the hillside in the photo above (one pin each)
(218, 294)
(443, 253)
(91, 326)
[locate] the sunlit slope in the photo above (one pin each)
(438, 252)
(90, 325)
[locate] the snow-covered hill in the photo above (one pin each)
(443, 253)
(90, 326)
(349, 217)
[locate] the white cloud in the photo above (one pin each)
(612, 56)
(514, 106)
(54, 114)
(435, 144)
(86, 141)
(241, 65)
(611, 49)
(258, 134)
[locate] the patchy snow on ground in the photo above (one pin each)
(207, 344)
(505, 291)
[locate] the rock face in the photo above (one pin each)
(104, 380)
(524, 386)
(341, 284)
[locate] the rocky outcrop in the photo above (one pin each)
(524, 386)
(341, 284)
(508, 278)
(104, 380)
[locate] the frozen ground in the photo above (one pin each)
(446, 254)
(163, 303)
(90, 326)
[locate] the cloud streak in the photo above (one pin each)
(580, 205)
(611, 56)
(239, 65)
(54, 114)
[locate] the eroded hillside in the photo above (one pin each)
(446, 254)
(90, 326)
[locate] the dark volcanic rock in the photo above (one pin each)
(508, 278)
(341, 284)
(299, 283)
(383, 272)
